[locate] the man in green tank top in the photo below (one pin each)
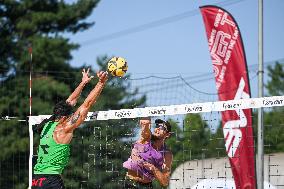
(57, 132)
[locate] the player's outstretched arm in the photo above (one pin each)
(73, 98)
(80, 115)
(145, 136)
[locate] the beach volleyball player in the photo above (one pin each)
(57, 132)
(150, 159)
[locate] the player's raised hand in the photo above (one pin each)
(145, 121)
(103, 76)
(86, 78)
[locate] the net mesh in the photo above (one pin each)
(199, 154)
(100, 147)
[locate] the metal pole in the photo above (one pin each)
(202, 166)
(260, 133)
(30, 126)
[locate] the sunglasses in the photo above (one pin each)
(162, 127)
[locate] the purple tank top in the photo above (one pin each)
(144, 153)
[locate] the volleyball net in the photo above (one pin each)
(104, 141)
(200, 157)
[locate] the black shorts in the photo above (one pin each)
(45, 181)
(132, 184)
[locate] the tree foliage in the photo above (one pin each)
(274, 119)
(275, 85)
(42, 25)
(194, 140)
(98, 148)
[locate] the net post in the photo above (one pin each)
(260, 132)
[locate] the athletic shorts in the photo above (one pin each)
(45, 181)
(132, 184)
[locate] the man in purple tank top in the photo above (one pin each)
(149, 159)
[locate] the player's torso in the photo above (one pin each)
(52, 156)
(140, 154)
(146, 152)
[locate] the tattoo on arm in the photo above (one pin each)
(74, 119)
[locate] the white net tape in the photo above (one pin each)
(181, 109)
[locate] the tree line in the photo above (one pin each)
(99, 148)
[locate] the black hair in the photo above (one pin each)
(62, 108)
(166, 123)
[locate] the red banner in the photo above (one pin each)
(230, 70)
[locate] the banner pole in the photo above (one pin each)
(260, 131)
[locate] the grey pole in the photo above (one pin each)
(260, 133)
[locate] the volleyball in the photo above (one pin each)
(117, 66)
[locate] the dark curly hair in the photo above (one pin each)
(61, 109)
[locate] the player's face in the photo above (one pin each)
(160, 131)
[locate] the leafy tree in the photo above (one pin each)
(273, 119)
(42, 25)
(216, 145)
(273, 131)
(190, 140)
(275, 85)
(174, 143)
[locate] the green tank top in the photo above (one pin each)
(52, 157)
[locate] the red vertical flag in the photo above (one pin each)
(230, 70)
